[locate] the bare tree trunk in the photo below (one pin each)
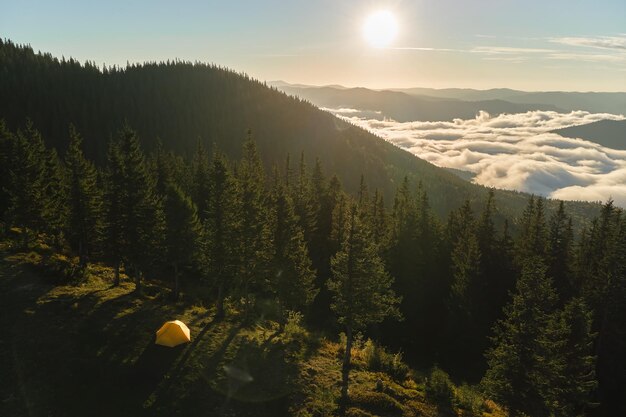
(81, 254)
(176, 283)
(345, 372)
(116, 280)
(137, 274)
(219, 305)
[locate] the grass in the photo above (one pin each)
(84, 347)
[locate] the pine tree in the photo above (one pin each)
(560, 252)
(138, 212)
(84, 201)
(27, 184)
(568, 345)
(465, 303)
(533, 239)
(292, 277)
(361, 288)
(466, 258)
(55, 197)
(380, 222)
(220, 226)
(518, 364)
(253, 235)
(200, 183)
(6, 144)
(115, 236)
(303, 202)
(182, 233)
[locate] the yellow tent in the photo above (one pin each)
(173, 333)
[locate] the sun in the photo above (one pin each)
(380, 28)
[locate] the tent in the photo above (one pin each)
(173, 333)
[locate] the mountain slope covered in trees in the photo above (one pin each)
(181, 104)
(609, 133)
(544, 308)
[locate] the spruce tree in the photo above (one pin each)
(560, 252)
(465, 258)
(137, 214)
(220, 226)
(6, 154)
(533, 239)
(292, 277)
(253, 234)
(115, 236)
(568, 345)
(84, 201)
(27, 182)
(303, 202)
(182, 233)
(200, 183)
(361, 288)
(518, 363)
(55, 197)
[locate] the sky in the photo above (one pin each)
(575, 45)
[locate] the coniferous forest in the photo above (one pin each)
(530, 309)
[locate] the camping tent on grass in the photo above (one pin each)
(173, 333)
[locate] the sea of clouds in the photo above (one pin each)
(514, 151)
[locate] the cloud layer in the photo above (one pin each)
(515, 151)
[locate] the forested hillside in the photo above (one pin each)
(181, 104)
(537, 319)
(609, 133)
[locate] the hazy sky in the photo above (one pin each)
(530, 44)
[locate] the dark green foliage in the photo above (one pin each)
(541, 362)
(517, 365)
(6, 145)
(379, 360)
(533, 240)
(182, 232)
(415, 255)
(570, 340)
(601, 277)
(27, 186)
(465, 262)
(560, 252)
(360, 284)
(55, 214)
(439, 387)
(220, 226)
(84, 201)
(254, 250)
(200, 182)
(135, 214)
(361, 287)
(291, 277)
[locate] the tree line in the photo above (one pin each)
(540, 316)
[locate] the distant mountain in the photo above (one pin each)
(590, 101)
(462, 93)
(609, 133)
(181, 104)
(404, 107)
(593, 102)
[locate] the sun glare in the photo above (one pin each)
(380, 29)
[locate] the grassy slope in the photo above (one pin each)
(87, 349)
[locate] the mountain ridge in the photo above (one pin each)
(183, 104)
